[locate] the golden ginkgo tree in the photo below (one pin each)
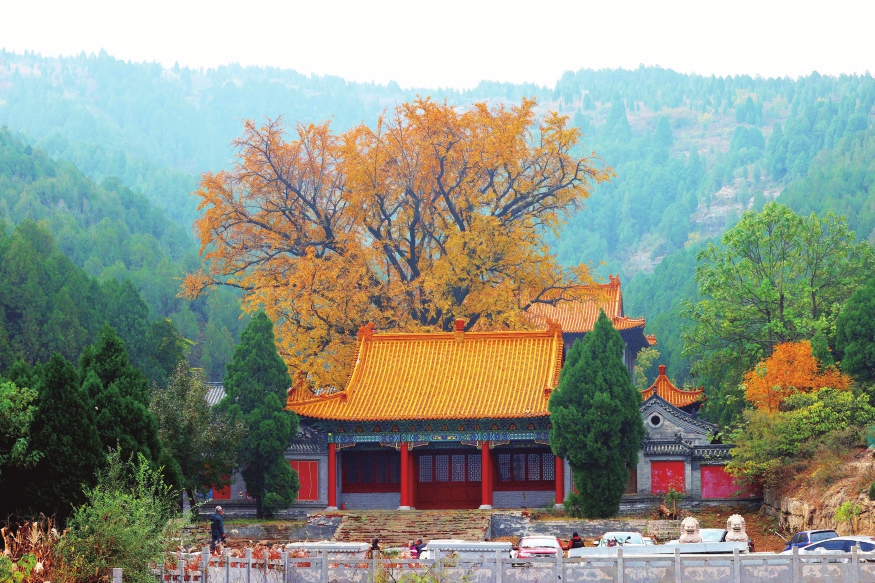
(435, 213)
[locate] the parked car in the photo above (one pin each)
(715, 535)
(837, 545)
(806, 537)
(621, 538)
(439, 548)
(537, 547)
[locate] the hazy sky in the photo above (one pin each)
(456, 43)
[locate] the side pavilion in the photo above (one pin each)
(442, 420)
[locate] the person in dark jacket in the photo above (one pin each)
(576, 542)
(217, 528)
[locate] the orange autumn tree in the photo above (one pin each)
(435, 213)
(791, 369)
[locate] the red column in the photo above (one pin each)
(411, 485)
(332, 476)
(485, 474)
(560, 480)
(405, 478)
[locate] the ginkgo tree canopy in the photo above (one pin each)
(435, 213)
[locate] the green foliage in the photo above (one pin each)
(855, 334)
(777, 277)
(847, 512)
(256, 370)
(17, 407)
(202, 443)
(255, 387)
(872, 491)
(70, 235)
(125, 523)
(119, 394)
(770, 447)
(646, 357)
(17, 571)
(596, 422)
(64, 430)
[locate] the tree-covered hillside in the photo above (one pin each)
(113, 235)
(690, 153)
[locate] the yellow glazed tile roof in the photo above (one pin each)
(580, 316)
(677, 397)
(444, 375)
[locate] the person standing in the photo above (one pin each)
(576, 542)
(217, 528)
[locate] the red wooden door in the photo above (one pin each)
(448, 479)
(665, 475)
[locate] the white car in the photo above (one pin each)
(621, 538)
(839, 545)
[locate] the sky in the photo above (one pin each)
(457, 43)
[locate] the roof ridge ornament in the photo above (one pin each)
(459, 329)
(366, 332)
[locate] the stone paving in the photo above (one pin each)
(396, 528)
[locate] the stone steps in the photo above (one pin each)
(397, 528)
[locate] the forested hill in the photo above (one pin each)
(112, 235)
(690, 152)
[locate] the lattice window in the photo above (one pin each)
(519, 467)
(380, 469)
(534, 470)
(504, 473)
(426, 468)
(548, 466)
(367, 475)
(459, 467)
(394, 469)
(473, 468)
(441, 468)
(350, 466)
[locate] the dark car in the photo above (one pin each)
(806, 537)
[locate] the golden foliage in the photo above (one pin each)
(791, 369)
(434, 214)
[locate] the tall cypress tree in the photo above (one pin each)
(64, 432)
(256, 386)
(119, 393)
(596, 421)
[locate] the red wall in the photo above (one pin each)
(716, 483)
(308, 477)
(665, 474)
(223, 493)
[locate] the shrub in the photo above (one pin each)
(872, 491)
(125, 523)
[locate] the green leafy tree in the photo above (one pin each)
(167, 348)
(256, 386)
(777, 277)
(596, 420)
(64, 430)
(855, 334)
(124, 523)
(119, 394)
(17, 407)
(202, 443)
(771, 448)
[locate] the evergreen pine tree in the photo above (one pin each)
(255, 387)
(120, 395)
(596, 421)
(855, 335)
(64, 431)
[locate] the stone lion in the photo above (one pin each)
(690, 531)
(735, 529)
